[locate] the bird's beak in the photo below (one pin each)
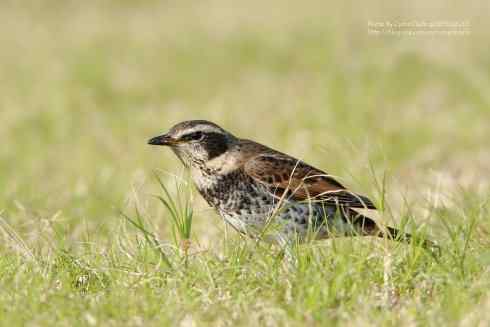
(162, 140)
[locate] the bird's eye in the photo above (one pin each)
(196, 136)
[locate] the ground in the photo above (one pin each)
(403, 119)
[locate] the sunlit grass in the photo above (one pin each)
(84, 240)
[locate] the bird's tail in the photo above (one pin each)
(367, 227)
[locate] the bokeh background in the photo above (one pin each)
(84, 84)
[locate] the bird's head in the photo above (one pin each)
(196, 141)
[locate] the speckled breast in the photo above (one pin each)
(247, 205)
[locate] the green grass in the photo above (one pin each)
(404, 120)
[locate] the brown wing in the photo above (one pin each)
(281, 173)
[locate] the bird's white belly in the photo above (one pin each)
(236, 223)
(245, 223)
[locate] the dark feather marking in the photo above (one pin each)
(215, 144)
(303, 182)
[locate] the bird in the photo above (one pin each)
(253, 187)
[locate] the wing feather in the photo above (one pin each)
(302, 182)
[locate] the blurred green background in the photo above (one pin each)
(83, 85)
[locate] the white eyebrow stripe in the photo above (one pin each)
(199, 128)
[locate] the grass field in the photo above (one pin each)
(83, 85)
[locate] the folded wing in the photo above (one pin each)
(286, 176)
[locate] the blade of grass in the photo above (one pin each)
(149, 237)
